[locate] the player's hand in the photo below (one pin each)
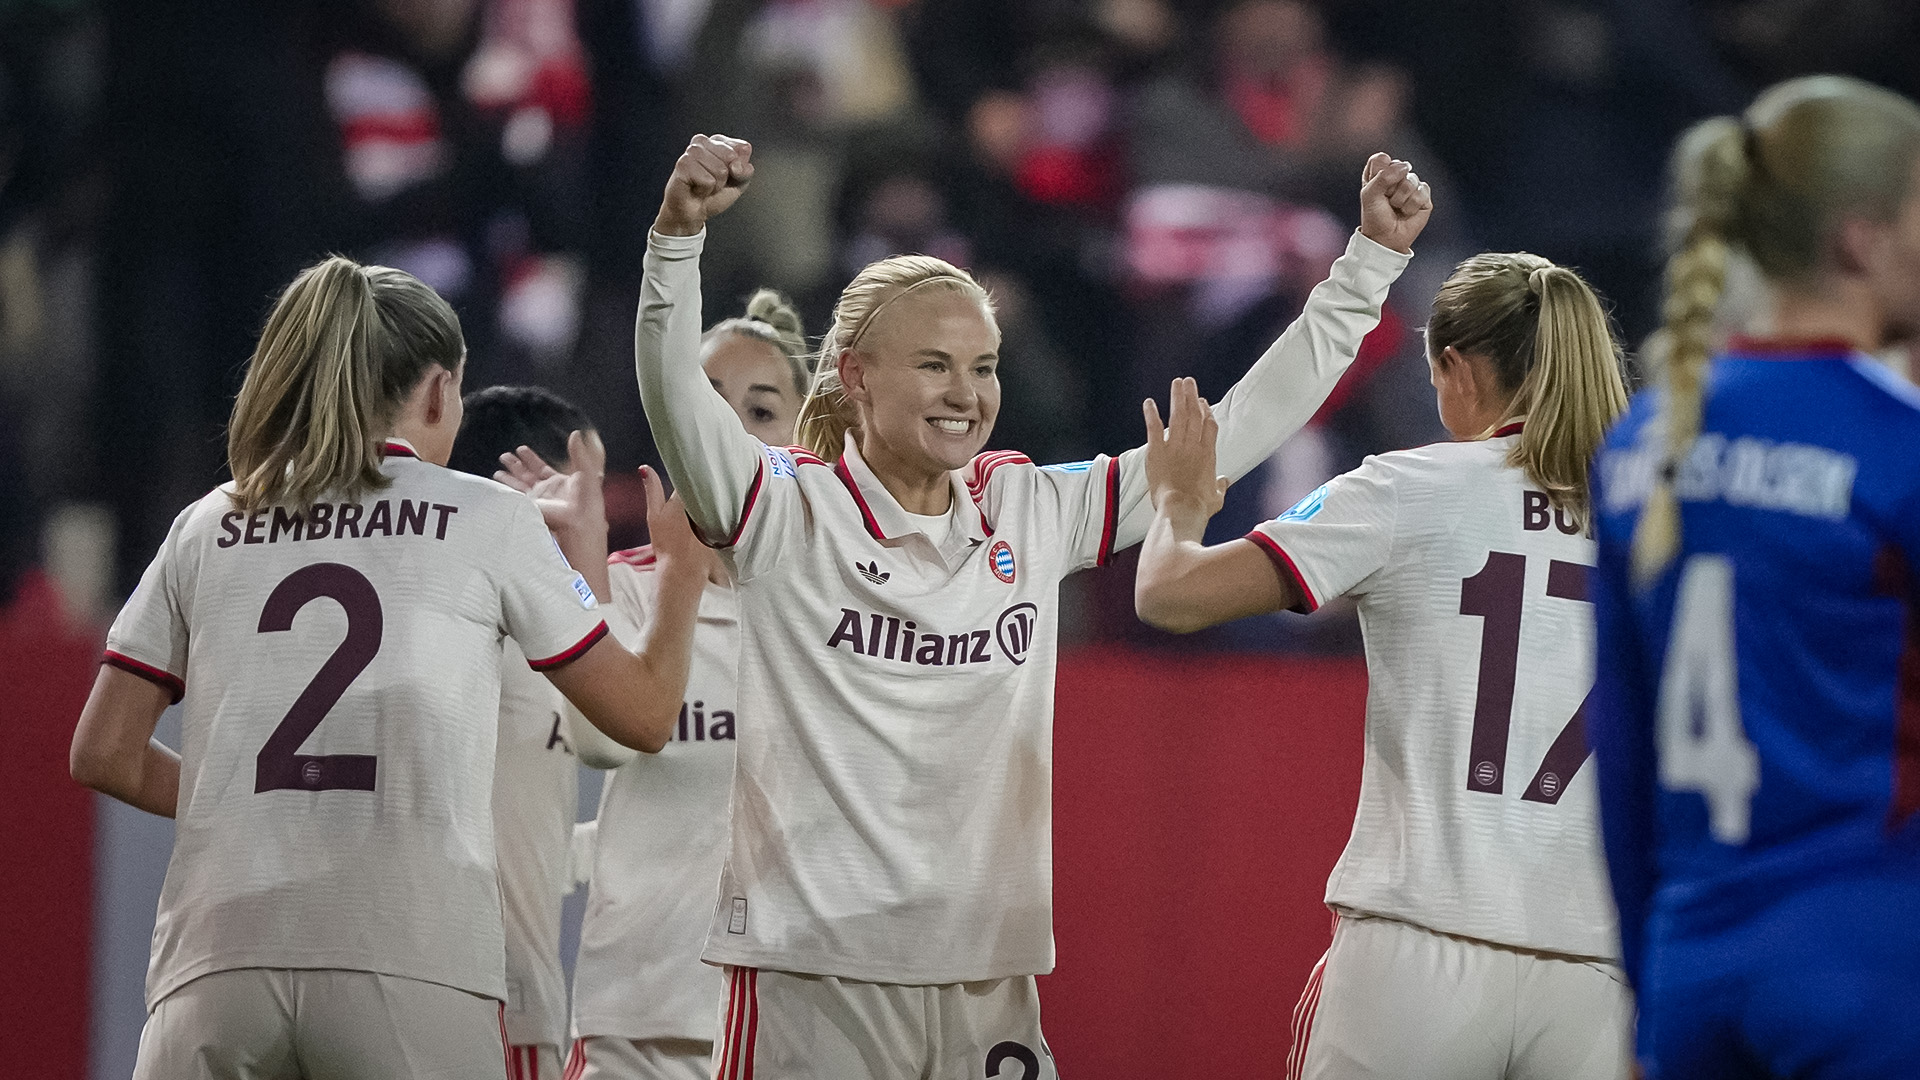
(706, 180)
(1394, 203)
(668, 529)
(1180, 454)
(570, 502)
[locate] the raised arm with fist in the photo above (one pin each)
(707, 179)
(1394, 203)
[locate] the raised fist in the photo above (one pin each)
(706, 180)
(1394, 203)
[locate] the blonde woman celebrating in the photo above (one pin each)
(1757, 716)
(886, 900)
(333, 620)
(1474, 939)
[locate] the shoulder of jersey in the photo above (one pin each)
(786, 459)
(979, 471)
(638, 558)
(1889, 382)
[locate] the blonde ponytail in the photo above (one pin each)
(1711, 177)
(342, 348)
(1552, 347)
(771, 318)
(826, 416)
(1773, 184)
(1574, 391)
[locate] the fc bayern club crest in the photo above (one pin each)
(1000, 558)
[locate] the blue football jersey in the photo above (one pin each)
(1756, 714)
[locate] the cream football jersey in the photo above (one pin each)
(1477, 812)
(536, 795)
(662, 837)
(340, 665)
(891, 807)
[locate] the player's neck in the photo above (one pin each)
(917, 490)
(1846, 312)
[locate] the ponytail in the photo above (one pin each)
(342, 348)
(1552, 347)
(1712, 171)
(826, 416)
(1572, 393)
(773, 319)
(1772, 184)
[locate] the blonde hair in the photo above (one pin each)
(1552, 347)
(827, 416)
(1773, 184)
(343, 347)
(770, 318)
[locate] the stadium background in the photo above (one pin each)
(1149, 187)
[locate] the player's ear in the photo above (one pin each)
(443, 395)
(853, 376)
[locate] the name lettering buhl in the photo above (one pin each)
(1537, 512)
(888, 638)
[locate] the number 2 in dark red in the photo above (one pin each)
(280, 766)
(1497, 594)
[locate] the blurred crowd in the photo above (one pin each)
(1149, 188)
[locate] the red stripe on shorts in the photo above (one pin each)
(753, 1019)
(506, 1048)
(1303, 1015)
(730, 1056)
(576, 1060)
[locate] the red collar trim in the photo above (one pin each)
(1511, 429)
(397, 449)
(866, 513)
(1765, 348)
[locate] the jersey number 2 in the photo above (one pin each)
(1703, 745)
(280, 767)
(1496, 594)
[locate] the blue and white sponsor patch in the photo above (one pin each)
(1069, 467)
(1307, 507)
(780, 461)
(585, 592)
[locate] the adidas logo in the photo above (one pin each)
(872, 572)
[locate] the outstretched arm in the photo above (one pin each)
(1183, 585)
(1287, 385)
(715, 465)
(634, 697)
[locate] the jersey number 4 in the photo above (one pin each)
(280, 767)
(1497, 594)
(1703, 744)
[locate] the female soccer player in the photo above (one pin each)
(889, 866)
(536, 775)
(643, 1001)
(1757, 714)
(1473, 939)
(332, 619)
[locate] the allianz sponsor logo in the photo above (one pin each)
(1793, 478)
(887, 637)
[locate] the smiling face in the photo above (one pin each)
(924, 380)
(757, 381)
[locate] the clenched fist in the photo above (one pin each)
(1394, 203)
(706, 180)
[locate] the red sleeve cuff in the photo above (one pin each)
(562, 659)
(173, 684)
(1283, 565)
(1112, 526)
